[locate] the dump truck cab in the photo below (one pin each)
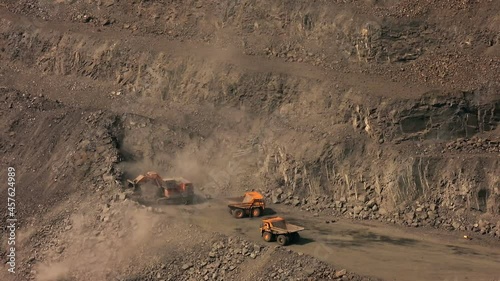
(274, 222)
(251, 204)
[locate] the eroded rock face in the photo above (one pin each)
(427, 150)
(434, 117)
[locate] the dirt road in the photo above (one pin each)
(371, 249)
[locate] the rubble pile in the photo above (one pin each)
(474, 145)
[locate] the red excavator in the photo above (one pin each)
(167, 191)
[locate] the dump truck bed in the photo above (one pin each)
(247, 201)
(240, 205)
(290, 228)
(235, 200)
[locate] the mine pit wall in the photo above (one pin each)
(456, 183)
(435, 116)
(390, 161)
(358, 37)
(56, 150)
(322, 161)
(354, 163)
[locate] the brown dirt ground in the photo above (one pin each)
(395, 102)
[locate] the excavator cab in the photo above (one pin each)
(178, 188)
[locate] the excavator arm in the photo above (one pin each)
(168, 188)
(149, 176)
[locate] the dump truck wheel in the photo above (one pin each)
(256, 212)
(238, 213)
(267, 236)
(295, 237)
(282, 240)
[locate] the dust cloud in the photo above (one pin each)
(52, 272)
(219, 165)
(95, 250)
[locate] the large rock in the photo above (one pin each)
(371, 203)
(187, 266)
(275, 198)
(410, 215)
(340, 273)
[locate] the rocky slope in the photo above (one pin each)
(326, 135)
(384, 110)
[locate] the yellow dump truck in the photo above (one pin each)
(276, 228)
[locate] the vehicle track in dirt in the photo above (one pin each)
(370, 248)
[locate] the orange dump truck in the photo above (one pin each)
(251, 204)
